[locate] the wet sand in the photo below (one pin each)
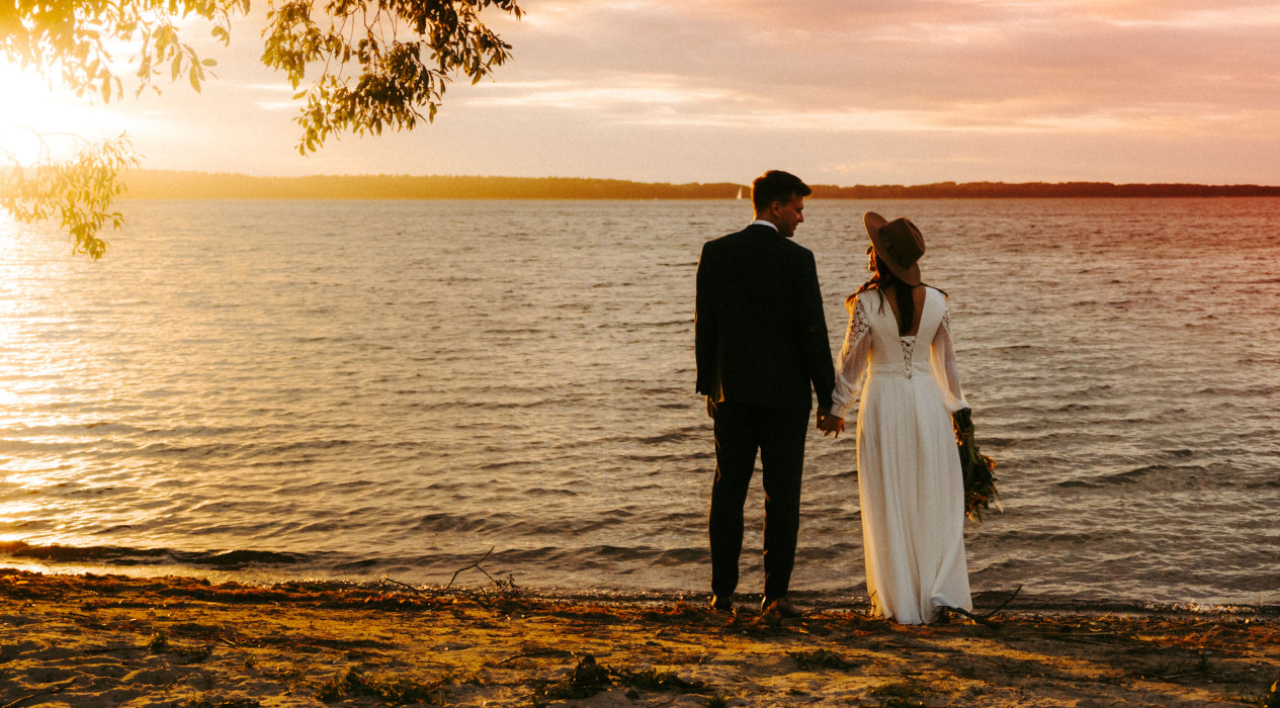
(77, 640)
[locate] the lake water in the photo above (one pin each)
(364, 389)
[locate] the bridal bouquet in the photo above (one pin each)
(979, 482)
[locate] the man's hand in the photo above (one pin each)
(830, 424)
(822, 414)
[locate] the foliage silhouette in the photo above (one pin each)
(79, 191)
(358, 66)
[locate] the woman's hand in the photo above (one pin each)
(831, 424)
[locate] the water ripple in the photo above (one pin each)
(365, 388)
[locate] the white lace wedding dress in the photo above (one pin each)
(909, 476)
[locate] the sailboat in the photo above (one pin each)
(739, 193)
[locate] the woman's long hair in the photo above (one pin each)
(882, 277)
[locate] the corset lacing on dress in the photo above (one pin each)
(908, 348)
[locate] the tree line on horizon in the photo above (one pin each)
(154, 184)
(1040, 190)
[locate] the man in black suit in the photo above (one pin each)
(761, 340)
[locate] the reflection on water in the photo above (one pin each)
(369, 388)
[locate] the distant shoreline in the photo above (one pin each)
(156, 184)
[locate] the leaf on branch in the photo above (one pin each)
(79, 191)
(382, 63)
(374, 79)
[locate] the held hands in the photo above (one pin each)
(828, 423)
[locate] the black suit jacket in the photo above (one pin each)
(761, 336)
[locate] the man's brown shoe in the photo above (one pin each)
(782, 606)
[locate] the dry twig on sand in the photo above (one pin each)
(984, 620)
(407, 585)
(504, 589)
(475, 565)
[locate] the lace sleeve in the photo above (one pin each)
(854, 355)
(942, 357)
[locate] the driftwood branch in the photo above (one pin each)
(480, 597)
(404, 585)
(985, 619)
(1004, 604)
(475, 565)
(976, 618)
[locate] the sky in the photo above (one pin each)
(836, 91)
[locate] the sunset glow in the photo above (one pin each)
(32, 109)
(865, 92)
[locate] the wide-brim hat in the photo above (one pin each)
(898, 243)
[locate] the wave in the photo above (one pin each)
(239, 450)
(400, 422)
(124, 556)
(1134, 476)
(99, 428)
(675, 436)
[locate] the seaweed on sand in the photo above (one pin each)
(589, 678)
(821, 659)
(160, 644)
(665, 681)
(353, 683)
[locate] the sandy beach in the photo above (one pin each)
(86, 640)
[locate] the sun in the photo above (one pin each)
(41, 120)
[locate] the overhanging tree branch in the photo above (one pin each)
(78, 191)
(391, 75)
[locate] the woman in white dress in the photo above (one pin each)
(898, 358)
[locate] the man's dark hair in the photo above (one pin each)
(776, 186)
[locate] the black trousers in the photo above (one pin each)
(778, 434)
